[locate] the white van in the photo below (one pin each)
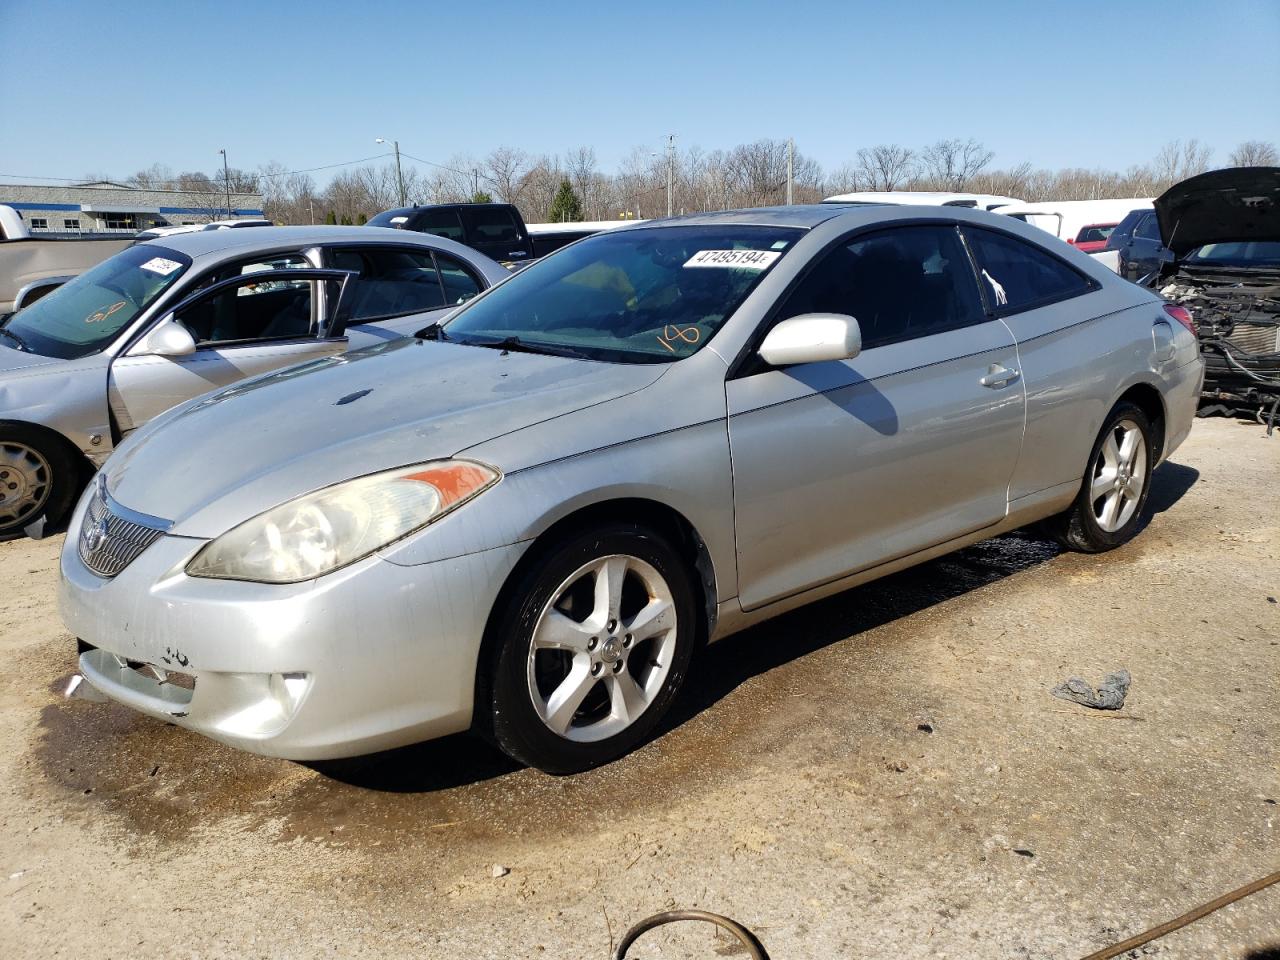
(1085, 224)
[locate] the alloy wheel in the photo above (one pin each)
(602, 648)
(1119, 476)
(25, 482)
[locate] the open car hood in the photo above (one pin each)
(1221, 206)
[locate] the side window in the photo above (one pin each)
(899, 284)
(459, 285)
(253, 312)
(491, 224)
(1148, 228)
(1019, 275)
(391, 282)
(1095, 234)
(443, 222)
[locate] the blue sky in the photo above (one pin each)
(113, 87)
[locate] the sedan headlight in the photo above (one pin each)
(323, 531)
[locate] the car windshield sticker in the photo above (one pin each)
(671, 334)
(399, 219)
(99, 315)
(161, 266)
(744, 259)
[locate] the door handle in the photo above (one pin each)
(998, 376)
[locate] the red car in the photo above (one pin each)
(1093, 238)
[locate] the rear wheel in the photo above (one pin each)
(1110, 507)
(597, 639)
(38, 478)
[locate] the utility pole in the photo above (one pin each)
(399, 172)
(475, 176)
(226, 178)
(312, 204)
(791, 167)
(671, 171)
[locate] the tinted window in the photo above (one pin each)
(898, 284)
(459, 285)
(442, 222)
(85, 314)
(1021, 275)
(1148, 228)
(391, 282)
(490, 224)
(648, 295)
(272, 310)
(1247, 253)
(1095, 234)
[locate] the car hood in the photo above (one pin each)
(1221, 206)
(219, 460)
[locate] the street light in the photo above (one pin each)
(226, 177)
(399, 174)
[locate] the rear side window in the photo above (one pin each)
(1148, 228)
(1095, 234)
(442, 223)
(487, 224)
(391, 282)
(898, 284)
(459, 284)
(1018, 275)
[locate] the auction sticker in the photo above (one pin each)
(161, 266)
(745, 259)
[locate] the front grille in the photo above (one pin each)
(109, 540)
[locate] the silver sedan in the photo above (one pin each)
(526, 522)
(165, 321)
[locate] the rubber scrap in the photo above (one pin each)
(1109, 695)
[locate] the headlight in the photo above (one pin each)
(328, 529)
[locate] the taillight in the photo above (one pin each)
(1183, 316)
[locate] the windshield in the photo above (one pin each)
(85, 314)
(1255, 253)
(648, 295)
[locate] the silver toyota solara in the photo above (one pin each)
(527, 520)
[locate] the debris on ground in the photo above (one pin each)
(498, 870)
(1109, 695)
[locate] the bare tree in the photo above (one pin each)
(1178, 160)
(1255, 153)
(504, 169)
(885, 167)
(951, 164)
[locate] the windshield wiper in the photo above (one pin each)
(516, 345)
(22, 344)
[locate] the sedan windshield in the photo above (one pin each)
(85, 314)
(649, 295)
(1253, 253)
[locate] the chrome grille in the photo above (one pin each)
(111, 538)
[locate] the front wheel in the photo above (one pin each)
(1110, 507)
(596, 640)
(38, 478)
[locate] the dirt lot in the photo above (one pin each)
(884, 774)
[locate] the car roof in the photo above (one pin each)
(805, 216)
(205, 242)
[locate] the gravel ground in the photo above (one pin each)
(883, 774)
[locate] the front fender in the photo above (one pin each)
(68, 398)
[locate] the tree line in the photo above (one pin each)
(572, 186)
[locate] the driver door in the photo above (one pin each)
(242, 327)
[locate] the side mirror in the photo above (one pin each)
(168, 338)
(812, 338)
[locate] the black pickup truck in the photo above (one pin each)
(495, 229)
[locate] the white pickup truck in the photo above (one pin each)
(32, 266)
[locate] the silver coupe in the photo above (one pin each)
(527, 520)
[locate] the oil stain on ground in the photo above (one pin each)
(160, 784)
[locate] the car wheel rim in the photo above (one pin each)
(25, 481)
(602, 648)
(1119, 476)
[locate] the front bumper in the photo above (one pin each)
(370, 657)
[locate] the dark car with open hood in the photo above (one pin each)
(1223, 229)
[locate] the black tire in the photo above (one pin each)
(516, 726)
(1078, 528)
(64, 476)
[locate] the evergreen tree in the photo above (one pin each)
(566, 207)
(346, 221)
(331, 218)
(481, 197)
(361, 219)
